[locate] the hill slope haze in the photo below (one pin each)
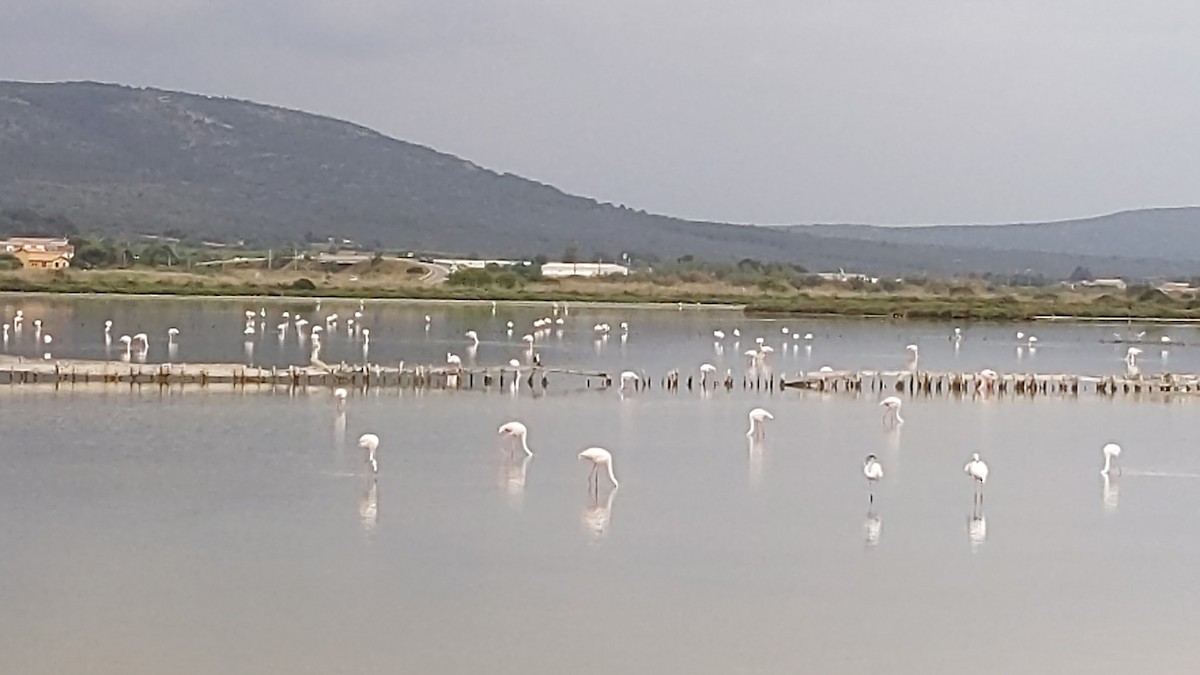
(120, 160)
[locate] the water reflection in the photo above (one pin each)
(368, 505)
(872, 527)
(597, 515)
(514, 469)
(755, 453)
(1110, 493)
(891, 438)
(977, 527)
(339, 427)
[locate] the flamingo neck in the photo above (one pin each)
(525, 445)
(1107, 463)
(612, 476)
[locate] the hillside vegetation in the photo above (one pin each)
(117, 162)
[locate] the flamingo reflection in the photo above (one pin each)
(1110, 493)
(755, 452)
(597, 515)
(872, 527)
(368, 505)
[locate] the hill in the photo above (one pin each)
(1160, 234)
(121, 161)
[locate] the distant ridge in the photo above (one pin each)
(117, 160)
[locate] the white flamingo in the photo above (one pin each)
(977, 469)
(370, 443)
(1111, 451)
(339, 395)
(516, 431)
(873, 470)
(891, 410)
(599, 457)
(758, 420)
(629, 380)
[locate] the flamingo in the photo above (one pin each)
(515, 431)
(598, 457)
(370, 443)
(914, 356)
(453, 361)
(891, 409)
(473, 337)
(873, 470)
(1111, 452)
(339, 395)
(758, 419)
(172, 333)
(1131, 366)
(128, 342)
(987, 379)
(977, 469)
(706, 369)
(628, 378)
(719, 334)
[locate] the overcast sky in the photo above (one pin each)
(775, 111)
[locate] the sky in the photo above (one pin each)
(769, 112)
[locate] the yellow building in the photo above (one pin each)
(50, 253)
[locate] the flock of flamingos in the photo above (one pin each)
(515, 433)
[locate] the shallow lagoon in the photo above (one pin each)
(209, 531)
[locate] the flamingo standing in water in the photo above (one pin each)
(873, 470)
(913, 357)
(473, 337)
(370, 443)
(514, 431)
(599, 457)
(339, 395)
(1131, 366)
(987, 380)
(977, 469)
(1111, 452)
(706, 371)
(891, 410)
(629, 379)
(758, 421)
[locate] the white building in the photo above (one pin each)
(1118, 284)
(559, 270)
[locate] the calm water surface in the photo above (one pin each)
(209, 531)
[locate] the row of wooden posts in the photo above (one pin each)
(432, 377)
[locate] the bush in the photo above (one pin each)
(303, 284)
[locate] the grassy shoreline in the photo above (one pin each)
(1008, 305)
